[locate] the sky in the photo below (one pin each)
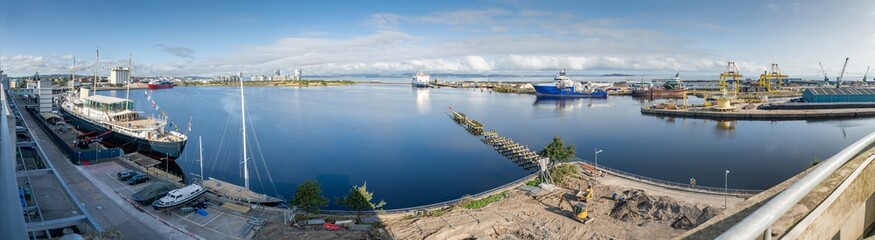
(209, 38)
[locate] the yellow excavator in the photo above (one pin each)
(581, 213)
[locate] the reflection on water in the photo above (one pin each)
(726, 125)
(421, 99)
(567, 104)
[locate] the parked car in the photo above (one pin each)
(139, 178)
(126, 174)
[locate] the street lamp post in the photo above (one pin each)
(725, 188)
(597, 151)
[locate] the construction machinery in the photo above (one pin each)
(584, 196)
(731, 71)
(839, 79)
(774, 73)
(825, 78)
(865, 74)
(581, 213)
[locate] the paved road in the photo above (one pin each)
(693, 197)
(106, 212)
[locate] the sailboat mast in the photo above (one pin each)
(245, 159)
(200, 143)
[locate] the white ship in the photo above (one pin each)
(420, 79)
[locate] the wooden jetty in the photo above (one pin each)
(518, 153)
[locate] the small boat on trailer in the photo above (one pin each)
(179, 197)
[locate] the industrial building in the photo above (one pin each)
(829, 95)
(119, 75)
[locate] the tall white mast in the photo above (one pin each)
(200, 143)
(130, 76)
(245, 159)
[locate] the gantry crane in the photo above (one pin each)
(774, 73)
(839, 79)
(825, 78)
(731, 71)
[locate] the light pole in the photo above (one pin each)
(597, 151)
(725, 188)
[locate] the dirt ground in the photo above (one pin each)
(520, 216)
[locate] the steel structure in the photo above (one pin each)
(731, 71)
(773, 74)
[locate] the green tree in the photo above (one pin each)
(309, 197)
(359, 199)
(557, 151)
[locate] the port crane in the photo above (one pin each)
(866, 75)
(731, 71)
(774, 73)
(839, 79)
(825, 78)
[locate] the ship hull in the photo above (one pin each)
(160, 86)
(550, 90)
(420, 85)
(154, 149)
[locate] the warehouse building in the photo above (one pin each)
(830, 95)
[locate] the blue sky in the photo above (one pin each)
(209, 38)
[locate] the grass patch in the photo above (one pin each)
(480, 203)
(439, 212)
(534, 182)
(559, 173)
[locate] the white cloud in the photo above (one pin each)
(773, 7)
(383, 20)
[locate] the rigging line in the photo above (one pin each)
(220, 147)
(255, 165)
(263, 160)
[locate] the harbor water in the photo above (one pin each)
(401, 142)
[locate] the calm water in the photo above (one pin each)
(401, 142)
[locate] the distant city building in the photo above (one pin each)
(45, 96)
(277, 73)
(297, 76)
(229, 78)
(119, 75)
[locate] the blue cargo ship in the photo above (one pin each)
(562, 86)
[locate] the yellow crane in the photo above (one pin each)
(731, 71)
(774, 73)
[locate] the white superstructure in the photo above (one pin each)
(420, 79)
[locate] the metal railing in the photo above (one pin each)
(670, 184)
(760, 221)
(12, 224)
(441, 204)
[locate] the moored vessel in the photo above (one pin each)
(179, 197)
(562, 86)
(160, 84)
(234, 192)
(420, 79)
(672, 88)
(122, 127)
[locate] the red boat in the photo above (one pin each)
(161, 84)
